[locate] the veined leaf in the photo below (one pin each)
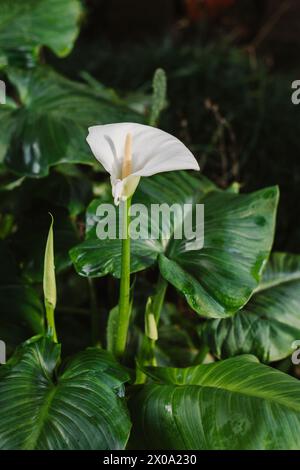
(269, 324)
(26, 26)
(220, 278)
(216, 280)
(49, 126)
(78, 407)
(233, 404)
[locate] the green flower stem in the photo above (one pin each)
(124, 301)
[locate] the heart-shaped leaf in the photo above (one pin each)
(216, 280)
(220, 278)
(78, 407)
(233, 404)
(269, 324)
(25, 26)
(49, 125)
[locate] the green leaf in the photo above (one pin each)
(49, 125)
(80, 406)
(233, 404)
(216, 280)
(21, 311)
(238, 231)
(159, 96)
(270, 322)
(26, 26)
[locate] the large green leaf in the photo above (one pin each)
(78, 407)
(216, 280)
(49, 125)
(96, 257)
(27, 25)
(233, 404)
(269, 324)
(21, 311)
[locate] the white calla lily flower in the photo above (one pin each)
(128, 151)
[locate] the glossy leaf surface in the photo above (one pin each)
(233, 404)
(49, 124)
(269, 324)
(216, 280)
(25, 26)
(78, 407)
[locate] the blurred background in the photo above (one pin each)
(230, 65)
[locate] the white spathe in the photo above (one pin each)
(152, 151)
